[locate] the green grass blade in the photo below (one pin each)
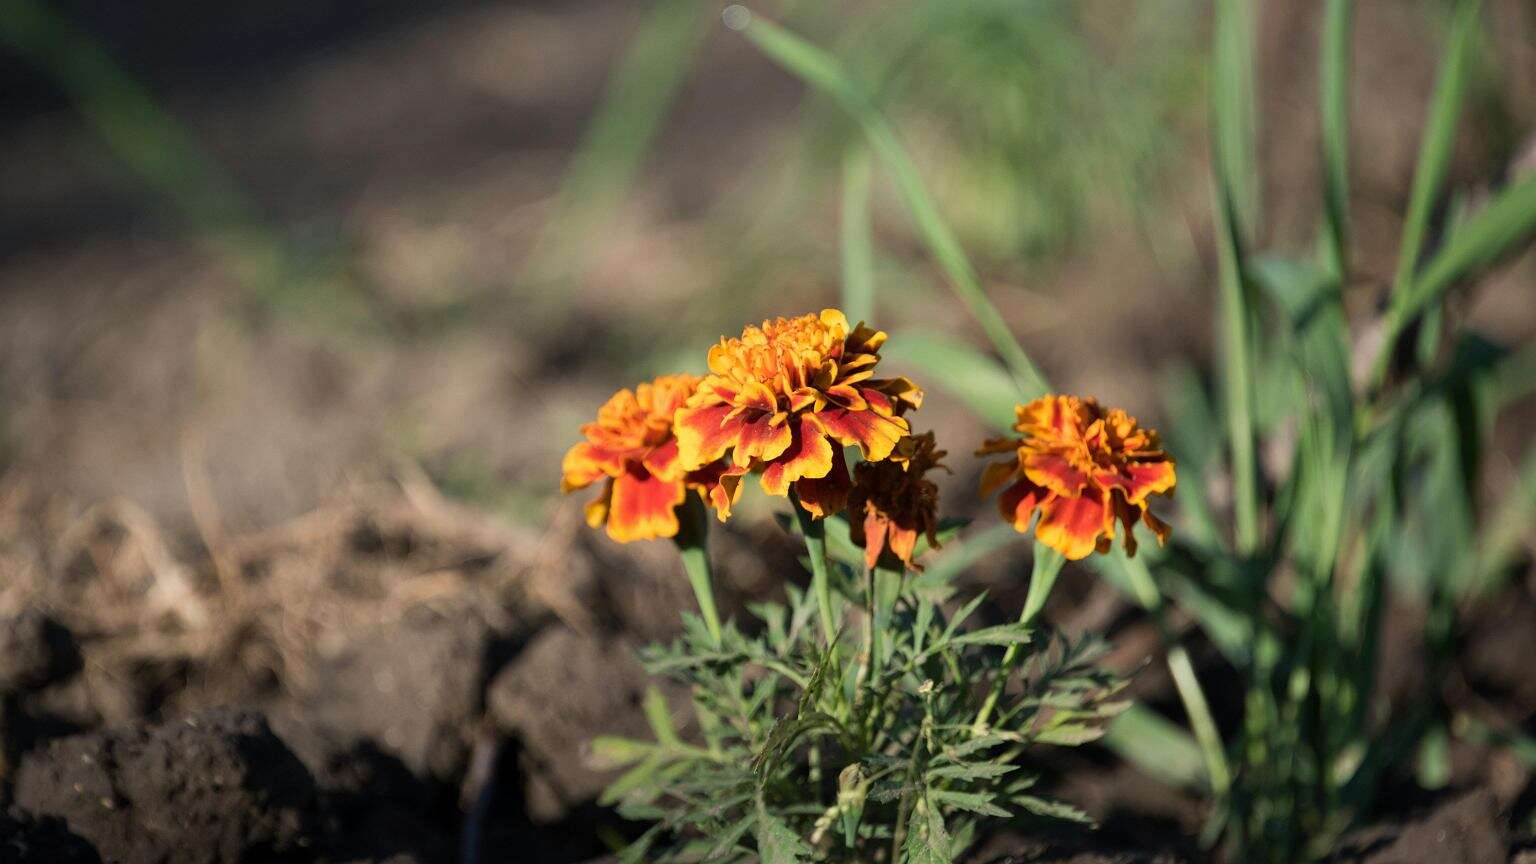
(1158, 747)
(857, 239)
(657, 60)
(1334, 101)
(953, 366)
(821, 71)
(1506, 223)
(1233, 133)
(1435, 152)
(1233, 111)
(1510, 527)
(1438, 144)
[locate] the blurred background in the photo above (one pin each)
(301, 303)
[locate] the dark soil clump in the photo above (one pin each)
(218, 787)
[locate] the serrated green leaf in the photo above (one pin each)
(1050, 809)
(971, 771)
(928, 841)
(971, 802)
(612, 752)
(777, 843)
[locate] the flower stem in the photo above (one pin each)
(1048, 563)
(692, 544)
(815, 532)
(1185, 681)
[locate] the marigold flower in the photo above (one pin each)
(778, 399)
(1083, 467)
(896, 501)
(632, 448)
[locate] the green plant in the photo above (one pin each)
(1378, 489)
(858, 750)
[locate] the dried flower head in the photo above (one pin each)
(780, 400)
(631, 447)
(892, 503)
(1083, 467)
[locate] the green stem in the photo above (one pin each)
(1047, 567)
(1184, 679)
(815, 532)
(871, 632)
(692, 544)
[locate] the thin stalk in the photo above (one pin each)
(1334, 100)
(1185, 680)
(815, 533)
(821, 71)
(871, 632)
(1233, 143)
(1047, 567)
(857, 246)
(692, 544)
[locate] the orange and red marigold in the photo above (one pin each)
(1084, 468)
(631, 447)
(783, 399)
(892, 503)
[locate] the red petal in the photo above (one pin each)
(823, 496)
(1018, 503)
(643, 505)
(1072, 526)
(703, 435)
(809, 455)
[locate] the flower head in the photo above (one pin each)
(631, 447)
(896, 502)
(1083, 467)
(778, 399)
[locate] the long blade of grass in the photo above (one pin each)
(960, 370)
(858, 248)
(1435, 152)
(655, 63)
(1438, 143)
(1506, 223)
(821, 71)
(1234, 111)
(1334, 100)
(1158, 747)
(1233, 132)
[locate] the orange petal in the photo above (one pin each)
(725, 492)
(596, 510)
(643, 505)
(1018, 503)
(761, 438)
(1072, 526)
(703, 435)
(663, 460)
(584, 463)
(1055, 473)
(903, 542)
(875, 434)
(873, 541)
(810, 454)
(1159, 528)
(823, 496)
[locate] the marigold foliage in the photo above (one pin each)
(1084, 467)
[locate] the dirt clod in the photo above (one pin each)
(217, 787)
(1466, 829)
(412, 690)
(25, 840)
(35, 651)
(562, 691)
